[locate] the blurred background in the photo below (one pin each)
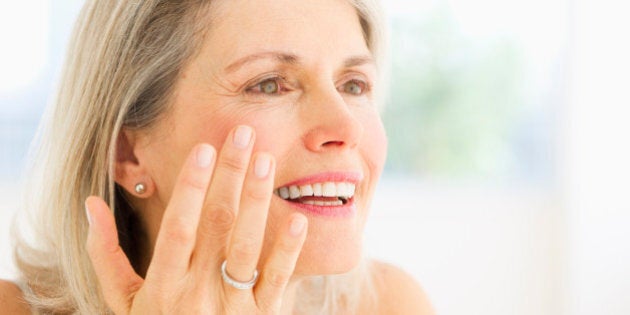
(506, 188)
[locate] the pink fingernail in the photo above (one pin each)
(297, 226)
(87, 214)
(262, 165)
(205, 154)
(242, 136)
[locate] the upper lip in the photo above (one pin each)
(348, 177)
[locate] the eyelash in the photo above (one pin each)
(282, 86)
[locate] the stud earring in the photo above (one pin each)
(140, 188)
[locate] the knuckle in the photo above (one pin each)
(221, 216)
(244, 250)
(287, 247)
(179, 231)
(277, 277)
(194, 181)
(234, 165)
(257, 194)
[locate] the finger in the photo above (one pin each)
(281, 263)
(117, 278)
(222, 200)
(178, 230)
(247, 236)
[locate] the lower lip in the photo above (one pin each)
(343, 211)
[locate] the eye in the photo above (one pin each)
(270, 86)
(354, 87)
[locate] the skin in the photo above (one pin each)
(309, 105)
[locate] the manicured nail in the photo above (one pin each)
(242, 136)
(262, 165)
(297, 226)
(87, 214)
(205, 154)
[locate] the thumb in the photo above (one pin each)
(119, 282)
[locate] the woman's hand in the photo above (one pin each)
(214, 214)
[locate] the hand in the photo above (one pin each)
(214, 214)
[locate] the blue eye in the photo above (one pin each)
(270, 86)
(354, 87)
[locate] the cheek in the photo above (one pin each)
(374, 144)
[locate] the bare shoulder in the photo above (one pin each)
(11, 299)
(398, 292)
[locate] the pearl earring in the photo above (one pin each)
(140, 188)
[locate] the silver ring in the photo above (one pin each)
(237, 284)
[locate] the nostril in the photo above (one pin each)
(333, 144)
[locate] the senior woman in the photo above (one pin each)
(234, 147)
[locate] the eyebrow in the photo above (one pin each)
(292, 59)
(278, 56)
(356, 61)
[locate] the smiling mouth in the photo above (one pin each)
(329, 194)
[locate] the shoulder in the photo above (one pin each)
(397, 292)
(11, 299)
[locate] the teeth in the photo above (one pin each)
(284, 192)
(351, 190)
(294, 192)
(342, 189)
(306, 190)
(323, 203)
(317, 189)
(327, 189)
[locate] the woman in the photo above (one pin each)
(234, 146)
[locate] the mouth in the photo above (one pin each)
(326, 194)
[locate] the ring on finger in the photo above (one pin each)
(238, 284)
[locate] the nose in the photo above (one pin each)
(331, 123)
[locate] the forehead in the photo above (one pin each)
(304, 28)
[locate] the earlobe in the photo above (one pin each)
(130, 172)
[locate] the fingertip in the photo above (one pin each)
(298, 224)
(263, 165)
(205, 154)
(91, 203)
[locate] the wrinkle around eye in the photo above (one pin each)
(222, 85)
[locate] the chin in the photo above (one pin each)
(326, 252)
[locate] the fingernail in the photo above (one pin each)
(262, 165)
(205, 154)
(242, 136)
(87, 214)
(297, 226)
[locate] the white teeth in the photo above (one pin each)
(317, 189)
(306, 190)
(284, 192)
(323, 203)
(327, 189)
(342, 189)
(294, 192)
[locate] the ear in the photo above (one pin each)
(129, 172)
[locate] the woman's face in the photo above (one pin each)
(299, 73)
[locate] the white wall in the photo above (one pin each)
(595, 163)
(475, 250)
